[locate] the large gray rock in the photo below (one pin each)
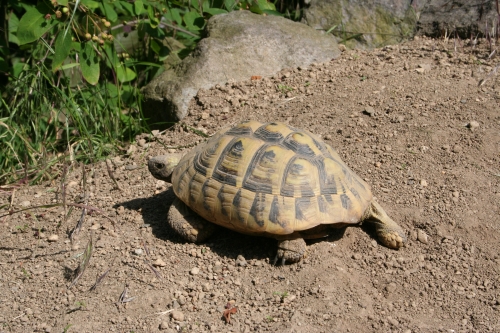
(239, 45)
(365, 23)
(463, 16)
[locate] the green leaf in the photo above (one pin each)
(194, 21)
(174, 16)
(128, 7)
(62, 2)
(13, 22)
(90, 4)
(89, 62)
(229, 4)
(33, 24)
(265, 5)
(68, 66)
(62, 49)
(109, 12)
(17, 68)
(153, 21)
(138, 7)
(125, 74)
(155, 46)
(215, 11)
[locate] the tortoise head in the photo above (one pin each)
(162, 167)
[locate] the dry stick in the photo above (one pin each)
(63, 185)
(79, 224)
(99, 279)
(84, 263)
(123, 296)
(148, 264)
(112, 175)
(483, 81)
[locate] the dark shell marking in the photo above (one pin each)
(269, 179)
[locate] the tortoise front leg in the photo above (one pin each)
(388, 231)
(188, 224)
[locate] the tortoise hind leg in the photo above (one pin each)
(291, 250)
(388, 231)
(188, 224)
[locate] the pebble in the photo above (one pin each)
(195, 271)
(181, 300)
(159, 263)
(456, 149)
(391, 287)
(240, 261)
(455, 194)
(422, 236)
(369, 111)
(25, 203)
(177, 315)
(473, 125)
(164, 325)
(53, 238)
(423, 183)
(138, 252)
(205, 115)
(131, 149)
(357, 256)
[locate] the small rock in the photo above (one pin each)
(159, 263)
(138, 252)
(53, 238)
(357, 256)
(456, 149)
(392, 321)
(369, 111)
(164, 325)
(240, 261)
(25, 203)
(177, 315)
(422, 236)
(473, 125)
(391, 287)
(205, 287)
(181, 300)
(131, 149)
(455, 194)
(423, 183)
(141, 143)
(195, 271)
(205, 115)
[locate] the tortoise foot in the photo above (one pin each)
(290, 250)
(188, 224)
(393, 239)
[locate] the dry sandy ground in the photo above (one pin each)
(409, 119)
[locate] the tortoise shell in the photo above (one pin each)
(269, 179)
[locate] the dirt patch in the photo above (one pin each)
(409, 119)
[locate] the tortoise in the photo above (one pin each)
(269, 179)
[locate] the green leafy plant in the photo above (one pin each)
(74, 69)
